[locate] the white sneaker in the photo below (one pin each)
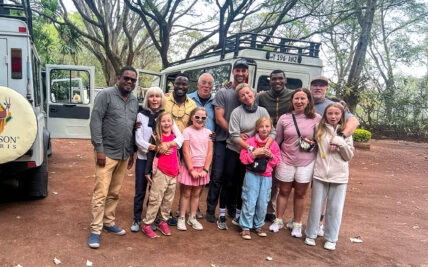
(297, 230)
(310, 241)
(321, 230)
(135, 227)
(194, 223)
(181, 224)
(330, 245)
(276, 225)
(290, 224)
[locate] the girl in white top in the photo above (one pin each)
(331, 174)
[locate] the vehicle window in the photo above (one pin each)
(70, 86)
(16, 60)
(170, 82)
(36, 80)
(193, 77)
(145, 81)
(263, 83)
(220, 73)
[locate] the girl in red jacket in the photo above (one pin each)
(258, 178)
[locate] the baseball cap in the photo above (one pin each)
(320, 78)
(241, 62)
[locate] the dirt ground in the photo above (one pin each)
(386, 206)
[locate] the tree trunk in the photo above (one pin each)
(353, 86)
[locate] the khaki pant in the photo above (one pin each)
(108, 182)
(161, 196)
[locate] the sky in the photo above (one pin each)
(417, 70)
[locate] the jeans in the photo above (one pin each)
(140, 188)
(216, 182)
(255, 197)
(234, 172)
(335, 195)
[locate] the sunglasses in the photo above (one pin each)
(200, 117)
(127, 79)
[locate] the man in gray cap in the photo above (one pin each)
(319, 87)
(225, 101)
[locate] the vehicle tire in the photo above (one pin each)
(35, 182)
(50, 148)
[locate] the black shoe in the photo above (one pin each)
(171, 221)
(270, 217)
(210, 217)
(231, 212)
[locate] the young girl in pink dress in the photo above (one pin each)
(197, 152)
(164, 169)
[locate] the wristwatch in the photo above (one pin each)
(250, 148)
(342, 135)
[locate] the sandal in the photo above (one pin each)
(245, 234)
(260, 232)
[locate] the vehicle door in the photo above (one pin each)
(145, 80)
(3, 62)
(70, 94)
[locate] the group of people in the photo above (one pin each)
(251, 149)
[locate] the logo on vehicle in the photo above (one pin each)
(5, 114)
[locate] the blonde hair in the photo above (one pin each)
(240, 86)
(261, 120)
(153, 91)
(193, 112)
(321, 129)
(158, 131)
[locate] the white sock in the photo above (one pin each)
(238, 213)
(222, 212)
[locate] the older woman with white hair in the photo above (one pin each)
(153, 105)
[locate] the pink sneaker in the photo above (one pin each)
(163, 227)
(148, 231)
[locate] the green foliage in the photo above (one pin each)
(361, 135)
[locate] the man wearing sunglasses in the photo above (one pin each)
(112, 126)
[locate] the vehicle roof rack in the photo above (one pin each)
(246, 40)
(16, 11)
(262, 42)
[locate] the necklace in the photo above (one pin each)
(178, 116)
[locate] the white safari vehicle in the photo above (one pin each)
(298, 59)
(35, 107)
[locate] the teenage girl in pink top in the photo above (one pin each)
(164, 169)
(197, 152)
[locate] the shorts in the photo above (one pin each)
(300, 174)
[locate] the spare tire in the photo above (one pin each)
(18, 125)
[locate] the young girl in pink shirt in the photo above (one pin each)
(258, 181)
(197, 152)
(164, 169)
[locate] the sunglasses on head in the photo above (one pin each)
(127, 79)
(200, 117)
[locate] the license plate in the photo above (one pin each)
(283, 57)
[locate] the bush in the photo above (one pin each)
(361, 135)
